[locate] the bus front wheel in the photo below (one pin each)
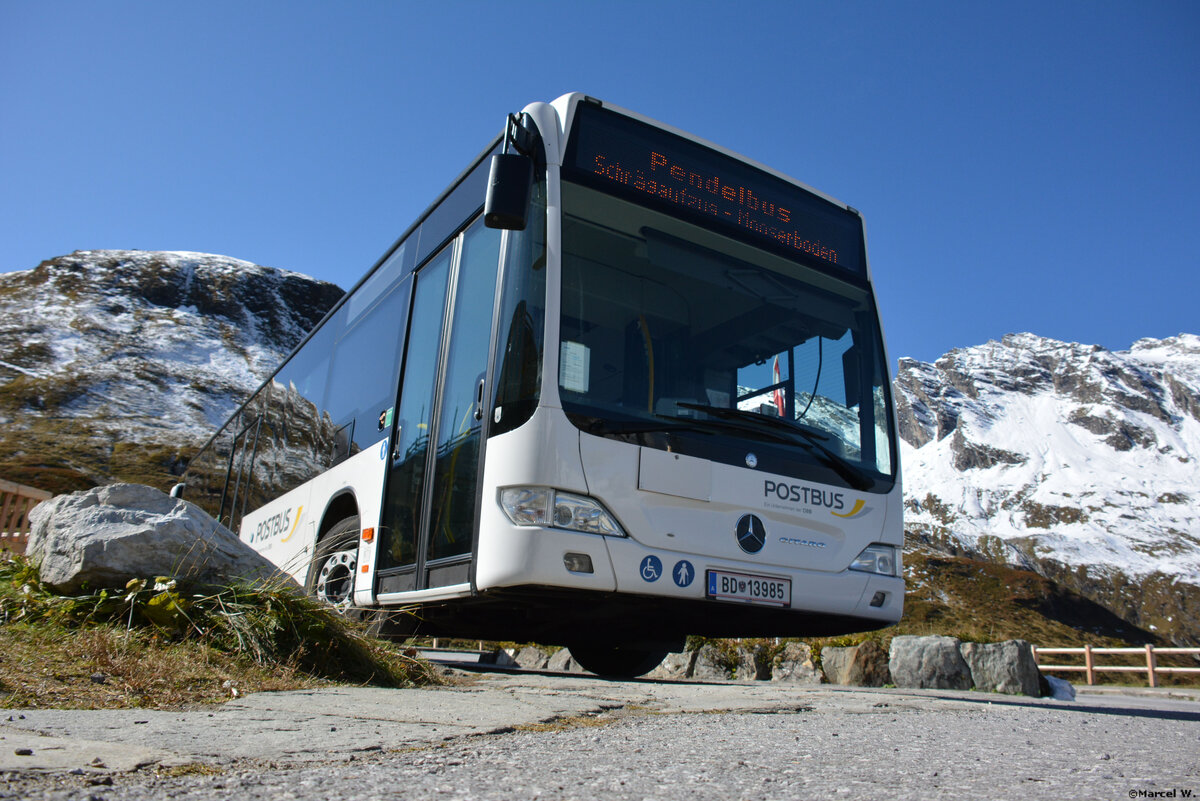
(617, 662)
(331, 575)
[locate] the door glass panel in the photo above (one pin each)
(456, 470)
(415, 417)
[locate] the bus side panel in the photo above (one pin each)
(285, 530)
(365, 475)
(545, 453)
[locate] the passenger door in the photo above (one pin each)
(430, 504)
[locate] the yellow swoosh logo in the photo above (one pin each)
(299, 511)
(858, 505)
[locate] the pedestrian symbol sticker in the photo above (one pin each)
(683, 573)
(651, 568)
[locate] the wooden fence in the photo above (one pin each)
(1089, 666)
(16, 500)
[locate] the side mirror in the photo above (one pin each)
(510, 186)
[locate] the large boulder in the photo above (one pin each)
(105, 536)
(530, 657)
(503, 657)
(753, 662)
(862, 665)
(711, 664)
(932, 663)
(561, 661)
(1003, 667)
(794, 665)
(674, 666)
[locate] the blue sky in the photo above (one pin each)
(1022, 166)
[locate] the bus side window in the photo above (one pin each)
(298, 438)
(366, 366)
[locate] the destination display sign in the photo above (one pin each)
(624, 156)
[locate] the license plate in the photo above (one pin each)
(724, 585)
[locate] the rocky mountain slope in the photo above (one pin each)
(1079, 463)
(116, 364)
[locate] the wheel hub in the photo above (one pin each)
(335, 582)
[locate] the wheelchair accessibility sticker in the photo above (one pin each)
(651, 568)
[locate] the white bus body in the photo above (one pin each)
(660, 408)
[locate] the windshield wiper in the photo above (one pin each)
(601, 427)
(809, 440)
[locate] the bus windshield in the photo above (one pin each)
(679, 336)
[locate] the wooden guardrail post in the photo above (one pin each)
(1151, 665)
(19, 500)
(1089, 662)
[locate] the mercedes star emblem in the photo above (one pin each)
(750, 533)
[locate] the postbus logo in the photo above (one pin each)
(859, 509)
(277, 524)
(834, 501)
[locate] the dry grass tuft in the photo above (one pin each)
(153, 645)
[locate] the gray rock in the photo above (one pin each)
(675, 666)
(794, 664)
(933, 663)
(532, 658)
(1002, 667)
(1060, 689)
(754, 663)
(105, 536)
(711, 664)
(835, 662)
(504, 657)
(562, 661)
(862, 665)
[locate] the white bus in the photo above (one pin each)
(642, 394)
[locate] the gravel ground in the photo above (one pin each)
(895, 747)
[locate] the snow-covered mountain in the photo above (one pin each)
(108, 356)
(1077, 462)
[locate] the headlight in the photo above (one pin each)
(879, 559)
(542, 506)
(527, 506)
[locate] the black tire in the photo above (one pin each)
(616, 662)
(390, 624)
(331, 573)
